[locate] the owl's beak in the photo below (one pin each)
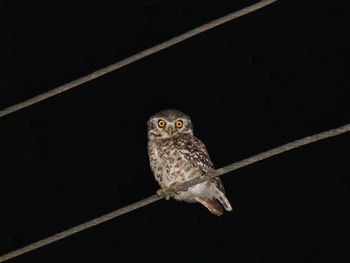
(170, 130)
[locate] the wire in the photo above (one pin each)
(184, 186)
(135, 57)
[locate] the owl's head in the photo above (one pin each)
(168, 123)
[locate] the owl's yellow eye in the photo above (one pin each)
(161, 123)
(179, 124)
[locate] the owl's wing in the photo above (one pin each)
(194, 151)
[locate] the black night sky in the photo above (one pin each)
(268, 78)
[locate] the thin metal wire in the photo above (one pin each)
(136, 57)
(154, 198)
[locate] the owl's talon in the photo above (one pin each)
(174, 187)
(163, 191)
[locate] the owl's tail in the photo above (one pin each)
(220, 195)
(216, 201)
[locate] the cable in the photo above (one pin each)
(154, 198)
(135, 57)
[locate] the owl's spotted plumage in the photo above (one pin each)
(176, 156)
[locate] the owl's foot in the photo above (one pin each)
(165, 190)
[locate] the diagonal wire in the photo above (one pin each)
(135, 57)
(184, 186)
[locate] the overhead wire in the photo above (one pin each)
(169, 191)
(140, 55)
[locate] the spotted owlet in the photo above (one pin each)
(176, 156)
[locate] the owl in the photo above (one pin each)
(177, 156)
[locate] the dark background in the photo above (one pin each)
(263, 80)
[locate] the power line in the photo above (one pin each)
(184, 186)
(135, 57)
